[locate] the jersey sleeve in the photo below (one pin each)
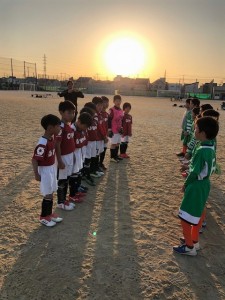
(40, 152)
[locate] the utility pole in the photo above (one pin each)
(44, 68)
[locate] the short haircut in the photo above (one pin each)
(126, 104)
(66, 105)
(69, 81)
(87, 110)
(117, 97)
(209, 125)
(50, 120)
(211, 113)
(196, 110)
(188, 100)
(105, 99)
(90, 105)
(195, 101)
(97, 100)
(206, 106)
(85, 118)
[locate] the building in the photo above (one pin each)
(218, 92)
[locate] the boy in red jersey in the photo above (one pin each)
(127, 130)
(115, 128)
(65, 147)
(43, 162)
(101, 133)
(83, 122)
(105, 116)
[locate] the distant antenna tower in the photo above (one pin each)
(165, 75)
(44, 66)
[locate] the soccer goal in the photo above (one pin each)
(27, 87)
(168, 93)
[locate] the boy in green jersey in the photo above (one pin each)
(197, 185)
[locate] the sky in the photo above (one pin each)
(185, 38)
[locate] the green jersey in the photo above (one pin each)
(197, 184)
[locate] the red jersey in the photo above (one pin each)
(101, 130)
(44, 153)
(66, 137)
(127, 125)
(105, 117)
(80, 137)
(92, 130)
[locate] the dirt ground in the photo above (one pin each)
(132, 209)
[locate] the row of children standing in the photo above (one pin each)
(80, 147)
(198, 156)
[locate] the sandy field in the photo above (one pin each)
(132, 210)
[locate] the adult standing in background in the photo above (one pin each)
(71, 94)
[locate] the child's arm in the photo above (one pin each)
(195, 169)
(61, 164)
(35, 169)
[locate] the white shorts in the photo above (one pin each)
(78, 160)
(68, 160)
(125, 139)
(100, 146)
(48, 183)
(116, 139)
(84, 149)
(91, 149)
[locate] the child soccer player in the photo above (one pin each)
(44, 169)
(83, 122)
(115, 128)
(183, 126)
(197, 186)
(65, 147)
(101, 133)
(127, 130)
(105, 117)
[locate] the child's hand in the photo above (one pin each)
(106, 140)
(186, 133)
(187, 156)
(121, 130)
(37, 177)
(61, 165)
(110, 133)
(183, 189)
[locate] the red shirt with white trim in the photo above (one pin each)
(127, 125)
(44, 153)
(80, 137)
(92, 130)
(101, 130)
(66, 139)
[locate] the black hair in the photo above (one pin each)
(206, 106)
(50, 120)
(188, 100)
(97, 100)
(87, 110)
(90, 105)
(105, 99)
(69, 81)
(209, 125)
(117, 97)
(66, 105)
(126, 104)
(85, 118)
(211, 113)
(196, 110)
(195, 102)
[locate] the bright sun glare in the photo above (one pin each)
(124, 56)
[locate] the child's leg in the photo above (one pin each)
(102, 156)
(195, 229)
(73, 183)
(187, 232)
(113, 150)
(47, 203)
(62, 190)
(123, 148)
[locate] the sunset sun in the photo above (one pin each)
(124, 56)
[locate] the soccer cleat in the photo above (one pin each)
(47, 221)
(204, 224)
(119, 158)
(65, 206)
(181, 154)
(184, 174)
(90, 181)
(122, 155)
(196, 245)
(76, 199)
(114, 160)
(184, 250)
(126, 156)
(80, 194)
(83, 187)
(55, 218)
(100, 173)
(95, 175)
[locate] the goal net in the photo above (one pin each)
(168, 93)
(27, 87)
